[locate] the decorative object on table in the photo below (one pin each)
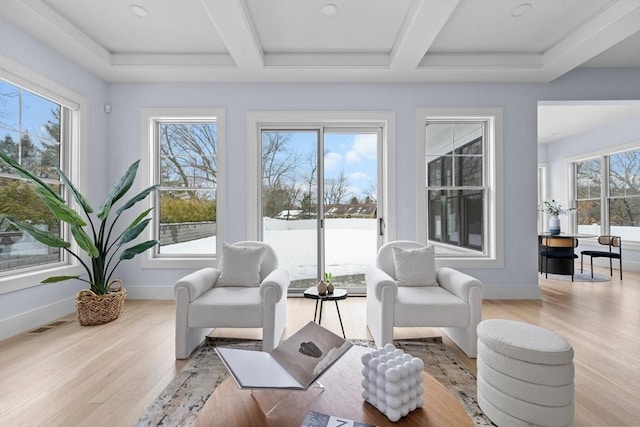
(322, 288)
(555, 209)
(392, 381)
(182, 399)
(286, 367)
(328, 278)
(101, 303)
(318, 419)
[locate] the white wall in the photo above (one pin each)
(115, 145)
(620, 135)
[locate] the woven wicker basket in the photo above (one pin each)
(96, 309)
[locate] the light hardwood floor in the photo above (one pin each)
(107, 375)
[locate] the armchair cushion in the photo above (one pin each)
(415, 267)
(240, 265)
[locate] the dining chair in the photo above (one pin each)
(558, 248)
(611, 242)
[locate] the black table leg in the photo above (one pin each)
(315, 312)
(340, 317)
(320, 318)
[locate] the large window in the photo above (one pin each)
(607, 195)
(39, 128)
(455, 183)
(458, 195)
(184, 159)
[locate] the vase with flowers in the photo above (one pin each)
(555, 209)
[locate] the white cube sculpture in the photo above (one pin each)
(392, 381)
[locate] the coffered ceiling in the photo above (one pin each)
(335, 40)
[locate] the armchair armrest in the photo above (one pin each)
(198, 282)
(457, 282)
(377, 281)
(278, 280)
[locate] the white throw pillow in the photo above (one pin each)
(240, 265)
(415, 267)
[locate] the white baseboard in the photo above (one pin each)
(502, 292)
(38, 317)
(42, 315)
(495, 292)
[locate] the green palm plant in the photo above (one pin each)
(96, 235)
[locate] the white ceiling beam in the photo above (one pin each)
(173, 59)
(232, 21)
(613, 25)
(425, 21)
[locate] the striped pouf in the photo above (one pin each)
(525, 375)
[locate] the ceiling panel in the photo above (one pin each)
(488, 26)
(171, 27)
(366, 40)
(299, 26)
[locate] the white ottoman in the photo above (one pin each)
(525, 374)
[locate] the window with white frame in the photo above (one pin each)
(458, 206)
(607, 195)
(184, 159)
(40, 128)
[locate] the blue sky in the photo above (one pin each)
(357, 155)
(351, 153)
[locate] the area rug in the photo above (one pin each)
(181, 401)
(581, 277)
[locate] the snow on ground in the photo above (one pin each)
(349, 250)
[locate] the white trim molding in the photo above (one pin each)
(74, 163)
(493, 256)
(149, 117)
(256, 119)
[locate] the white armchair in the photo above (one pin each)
(205, 301)
(454, 304)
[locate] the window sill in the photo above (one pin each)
(16, 282)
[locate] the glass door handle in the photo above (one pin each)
(381, 226)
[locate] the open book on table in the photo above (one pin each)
(295, 364)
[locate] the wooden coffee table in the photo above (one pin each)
(231, 406)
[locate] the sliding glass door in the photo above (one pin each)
(320, 202)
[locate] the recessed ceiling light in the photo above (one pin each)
(329, 10)
(138, 10)
(521, 9)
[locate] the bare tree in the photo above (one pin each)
(280, 164)
(624, 184)
(188, 153)
(335, 189)
(371, 193)
(279, 161)
(308, 202)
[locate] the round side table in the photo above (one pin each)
(337, 295)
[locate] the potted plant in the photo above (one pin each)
(95, 235)
(328, 278)
(554, 209)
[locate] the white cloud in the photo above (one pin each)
(358, 176)
(332, 160)
(364, 147)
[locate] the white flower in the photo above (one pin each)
(554, 208)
